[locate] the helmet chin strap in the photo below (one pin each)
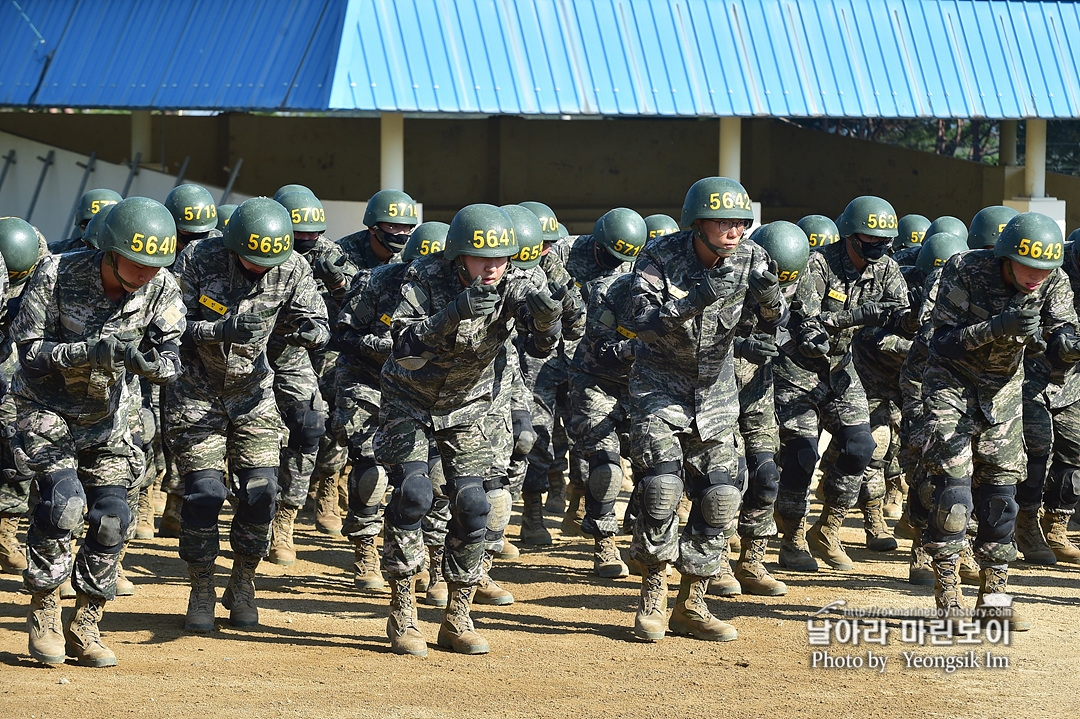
(705, 241)
(1012, 277)
(463, 274)
(110, 259)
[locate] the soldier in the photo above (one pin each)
(194, 211)
(910, 231)
(688, 294)
(390, 217)
(987, 225)
(820, 231)
(660, 225)
(848, 285)
(221, 413)
(89, 205)
(991, 306)
(448, 331)
(224, 212)
(90, 319)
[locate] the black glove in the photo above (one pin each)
(476, 300)
(872, 314)
(524, 434)
(144, 365)
(616, 354)
(915, 298)
(765, 286)
(1015, 323)
(242, 329)
(758, 348)
(330, 272)
(816, 345)
(106, 354)
(718, 282)
(307, 335)
(545, 309)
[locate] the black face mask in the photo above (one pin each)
(393, 242)
(305, 246)
(607, 260)
(252, 277)
(873, 252)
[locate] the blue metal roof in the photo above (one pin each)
(791, 58)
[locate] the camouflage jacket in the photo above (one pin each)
(609, 333)
(989, 371)
(444, 371)
(215, 289)
(578, 255)
(684, 368)
(1058, 385)
(364, 323)
(65, 306)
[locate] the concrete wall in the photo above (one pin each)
(581, 168)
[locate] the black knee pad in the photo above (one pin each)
(659, 492)
(952, 507)
(798, 462)
(306, 427)
(367, 487)
(764, 481)
(716, 497)
(856, 449)
(412, 497)
(1029, 492)
(469, 505)
(204, 493)
(108, 518)
(996, 511)
(62, 502)
(604, 483)
(258, 494)
(1063, 489)
(524, 434)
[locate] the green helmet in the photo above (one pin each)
(868, 215)
(716, 198)
(530, 236)
(563, 232)
(142, 230)
(660, 225)
(950, 224)
(92, 233)
(548, 224)
(819, 229)
(306, 211)
(260, 231)
(392, 206)
(94, 200)
(19, 246)
(481, 231)
(911, 231)
(291, 188)
(621, 232)
(429, 238)
(987, 225)
(788, 246)
(1031, 239)
(937, 248)
(224, 212)
(193, 208)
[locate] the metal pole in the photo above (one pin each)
(183, 171)
(392, 151)
(1035, 158)
(1007, 142)
(131, 174)
(730, 160)
(48, 160)
(89, 167)
(232, 178)
(9, 160)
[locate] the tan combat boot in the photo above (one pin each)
(920, 568)
(794, 552)
(169, 526)
(327, 519)
(1029, 539)
(725, 584)
(437, 592)
(904, 528)
(422, 579)
(947, 597)
(893, 506)
(282, 550)
(575, 512)
(650, 622)
(83, 639)
(1055, 524)
(366, 564)
(878, 536)
(202, 599)
(144, 525)
(824, 538)
(12, 558)
(969, 570)
(239, 596)
(457, 631)
(751, 573)
(43, 626)
(508, 551)
(556, 499)
(691, 615)
(607, 563)
(401, 625)
(124, 586)
(995, 579)
(533, 530)
(489, 591)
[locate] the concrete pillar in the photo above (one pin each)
(730, 164)
(1007, 142)
(1035, 158)
(392, 151)
(140, 135)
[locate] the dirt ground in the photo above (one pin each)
(564, 648)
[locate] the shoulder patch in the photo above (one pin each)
(607, 319)
(416, 296)
(651, 274)
(171, 316)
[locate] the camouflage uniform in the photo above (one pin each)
(223, 408)
(74, 422)
(684, 404)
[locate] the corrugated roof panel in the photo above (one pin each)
(27, 39)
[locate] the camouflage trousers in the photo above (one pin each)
(15, 477)
(476, 449)
(1052, 438)
(912, 433)
(297, 392)
(600, 423)
(657, 444)
(885, 428)
(550, 413)
(77, 464)
(760, 434)
(333, 454)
